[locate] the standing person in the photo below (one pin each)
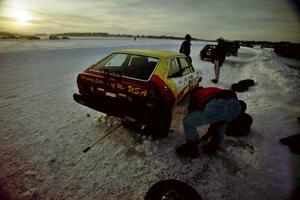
(213, 106)
(185, 47)
(220, 54)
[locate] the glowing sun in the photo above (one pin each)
(21, 16)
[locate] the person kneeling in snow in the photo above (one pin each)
(213, 106)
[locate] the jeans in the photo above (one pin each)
(217, 110)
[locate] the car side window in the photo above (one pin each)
(185, 66)
(117, 61)
(174, 69)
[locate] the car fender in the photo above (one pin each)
(165, 90)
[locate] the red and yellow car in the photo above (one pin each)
(138, 85)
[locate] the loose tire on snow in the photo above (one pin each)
(172, 189)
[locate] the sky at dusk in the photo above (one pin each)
(273, 20)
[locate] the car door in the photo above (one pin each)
(175, 75)
(190, 76)
(187, 73)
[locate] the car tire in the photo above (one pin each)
(158, 123)
(131, 124)
(171, 189)
(158, 117)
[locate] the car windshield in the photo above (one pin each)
(130, 65)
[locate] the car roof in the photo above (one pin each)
(151, 53)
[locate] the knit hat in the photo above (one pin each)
(188, 37)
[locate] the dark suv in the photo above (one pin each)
(208, 52)
(232, 48)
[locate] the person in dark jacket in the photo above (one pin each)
(220, 54)
(185, 47)
(213, 106)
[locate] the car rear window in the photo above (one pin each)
(130, 65)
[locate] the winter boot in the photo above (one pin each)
(204, 138)
(212, 146)
(214, 80)
(189, 149)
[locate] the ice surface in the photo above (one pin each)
(43, 132)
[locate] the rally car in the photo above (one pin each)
(138, 85)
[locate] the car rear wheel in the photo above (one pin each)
(131, 124)
(158, 116)
(158, 123)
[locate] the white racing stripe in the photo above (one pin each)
(110, 94)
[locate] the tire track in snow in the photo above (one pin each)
(23, 84)
(67, 172)
(11, 102)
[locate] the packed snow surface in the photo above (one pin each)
(44, 133)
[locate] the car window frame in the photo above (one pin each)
(174, 74)
(190, 66)
(182, 74)
(92, 67)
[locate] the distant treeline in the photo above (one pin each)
(286, 49)
(282, 48)
(87, 34)
(102, 34)
(91, 34)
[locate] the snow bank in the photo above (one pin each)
(278, 72)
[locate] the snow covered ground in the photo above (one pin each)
(43, 132)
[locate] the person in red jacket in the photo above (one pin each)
(213, 106)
